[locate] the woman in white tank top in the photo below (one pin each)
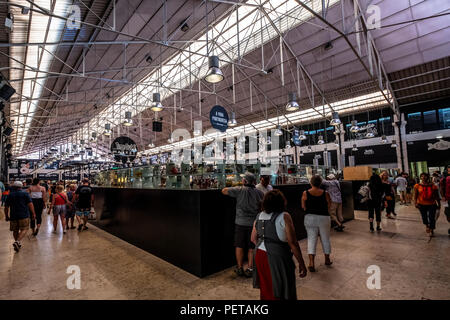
(38, 196)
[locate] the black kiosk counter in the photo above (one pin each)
(192, 229)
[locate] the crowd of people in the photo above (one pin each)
(25, 202)
(265, 230)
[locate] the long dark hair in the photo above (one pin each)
(375, 181)
(427, 177)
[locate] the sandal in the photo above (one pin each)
(329, 263)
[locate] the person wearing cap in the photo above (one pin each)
(333, 188)
(17, 210)
(264, 184)
(248, 205)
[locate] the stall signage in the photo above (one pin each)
(124, 149)
(48, 176)
(25, 166)
(218, 117)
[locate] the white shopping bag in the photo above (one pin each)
(92, 215)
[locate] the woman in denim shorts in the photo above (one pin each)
(58, 205)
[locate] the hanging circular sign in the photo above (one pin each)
(124, 149)
(218, 117)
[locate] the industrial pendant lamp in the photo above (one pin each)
(370, 133)
(354, 128)
(394, 144)
(128, 121)
(232, 122)
(107, 131)
(214, 74)
(354, 148)
(288, 145)
(278, 132)
(320, 140)
(336, 143)
(292, 104)
(309, 148)
(151, 144)
(383, 139)
(301, 135)
(335, 121)
(157, 106)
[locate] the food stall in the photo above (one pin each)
(178, 213)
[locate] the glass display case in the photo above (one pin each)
(204, 176)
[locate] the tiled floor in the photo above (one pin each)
(412, 266)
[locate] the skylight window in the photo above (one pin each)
(183, 68)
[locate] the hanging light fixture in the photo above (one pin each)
(232, 122)
(370, 133)
(170, 140)
(320, 140)
(301, 153)
(128, 121)
(157, 105)
(269, 140)
(292, 104)
(107, 131)
(354, 128)
(335, 121)
(278, 132)
(439, 136)
(214, 74)
(301, 135)
(354, 148)
(151, 144)
(288, 145)
(383, 139)
(336, 143)
(309, 148)
(394, 144)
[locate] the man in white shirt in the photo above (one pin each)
(401, 184)
(264, 185)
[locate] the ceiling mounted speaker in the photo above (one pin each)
(7, 132)
(6, 91)
(157, 126)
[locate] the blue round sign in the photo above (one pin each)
(218, 117)
(296, 138)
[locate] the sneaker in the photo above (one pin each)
(36, 232)
(85, 228)
(16, 246)
(378, 229)
(54, 231)
(79, 227)
(372, 229)
(248, 273)
(239, 271)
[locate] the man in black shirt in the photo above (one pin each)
(84, 200)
